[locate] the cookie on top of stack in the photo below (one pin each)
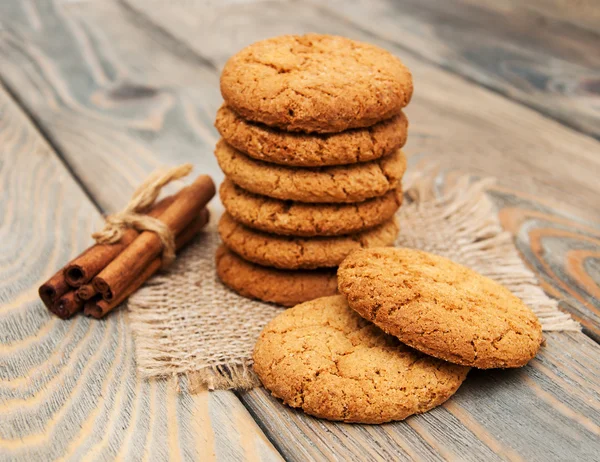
(311, 129)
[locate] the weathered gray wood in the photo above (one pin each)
(116, 101)
(542, 61)
(69, 389)
(453, 123)
(584, 14)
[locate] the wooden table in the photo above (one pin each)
(95, 94)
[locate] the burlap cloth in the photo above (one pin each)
(186, 322)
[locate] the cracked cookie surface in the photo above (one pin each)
(345, 183)
(294, 253)
(315, 83)
(440, 307)
(301, 150)
(282, 287)
(302, 219)
(322, 357)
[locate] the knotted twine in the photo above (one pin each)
(134, 214)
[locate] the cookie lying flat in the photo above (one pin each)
(301, 150)
(324, 358)
(286, 288)
(288, 252)
(346, 183)
(301, 219)
(440, 307)
(315, 83)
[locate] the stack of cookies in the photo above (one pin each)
(399, 340)
(311, 129)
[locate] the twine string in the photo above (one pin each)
(134, 214)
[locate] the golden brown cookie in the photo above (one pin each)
(440, 307)
(301, 219)
(322, 357)
(345, 183)
(301, 150)
(283, 287)
(288, 252)
(315, 83)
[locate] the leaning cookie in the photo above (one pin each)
(440, 307)
(288, 252)
(324, 358)
(346, 183)
(302, 219)
(282, 287)
(315, 83)
(301, 150)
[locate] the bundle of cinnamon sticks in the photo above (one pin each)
(104, 275)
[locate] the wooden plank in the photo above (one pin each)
(69, 389)
(434, 127)
(584, 14)
(540, 60)
(112, 104)
(453, 123)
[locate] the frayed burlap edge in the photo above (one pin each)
(238, 377)
(458, 221)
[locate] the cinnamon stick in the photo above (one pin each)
(98, 307)
(67, 305)
(53, 289)
(117, 278)
(83, 268)
(86, 291)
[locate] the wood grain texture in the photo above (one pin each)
(116, 93)
(540, 60)
(69, 389)
(453, 123)
(107, 94)
(563, 253)
(582, 14)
